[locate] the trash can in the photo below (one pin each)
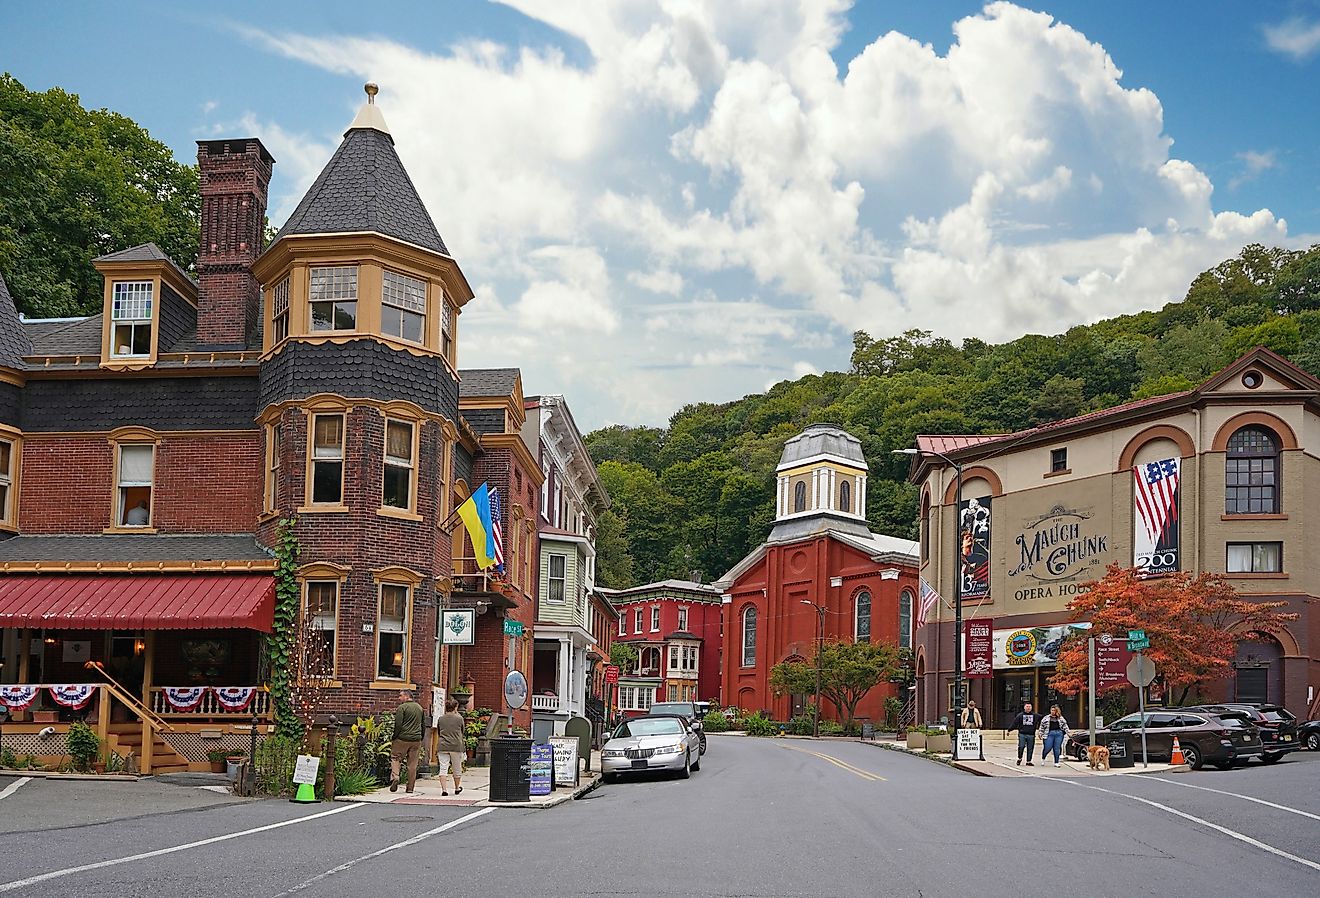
(1123, 748)
(509, 775)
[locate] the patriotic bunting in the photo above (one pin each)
(234, 698)
(72, 695)
(184, 698)
(17, 698)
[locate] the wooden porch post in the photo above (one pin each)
(103, 704)
(148, 669)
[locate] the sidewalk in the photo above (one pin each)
(476, 791)
(1001, 760)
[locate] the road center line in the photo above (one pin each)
(114, 862)
(1232, 834)
(1268, 804)
(420, 837)
(841, 764)
(15, 786)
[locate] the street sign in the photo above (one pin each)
(1136, 634)
(515, 689)
(1140, 671)
(612, 674)
(1111, 661)
(1139, 646)
(513, 627)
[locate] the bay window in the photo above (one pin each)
(556, 578)
(332, 296)
(403, 306)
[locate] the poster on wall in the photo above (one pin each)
(1155, 516)
(1032, 646)
(974, 551)
(978, 648)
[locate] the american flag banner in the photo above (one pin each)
(495, 515)
(1155, 518)
(928, 599)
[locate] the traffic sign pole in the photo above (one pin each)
(1141, 706)
(1090, 653)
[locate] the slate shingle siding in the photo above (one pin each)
(485, 420)
(177, 318)
(68, 338)
(462, 464)
(163, 403)
(11, 404)
(364, 187)
(358, 369)
(14, 342)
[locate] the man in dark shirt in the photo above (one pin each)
(1025, 723)
(407, 742)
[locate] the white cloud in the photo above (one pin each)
(1254, 163)
(710, 201)
(1295, 37)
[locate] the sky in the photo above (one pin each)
(661, 202)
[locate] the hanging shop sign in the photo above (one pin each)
(978, 648)
(974, 547)
(1155, 531)
(458, 626)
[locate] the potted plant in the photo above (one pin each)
(217, 757)
(463, 695)
(916, 737)
(939, 742)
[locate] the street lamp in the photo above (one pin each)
(956, 711)
(820, 639)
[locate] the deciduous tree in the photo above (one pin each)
(848, 671)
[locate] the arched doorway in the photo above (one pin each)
(1258, 669)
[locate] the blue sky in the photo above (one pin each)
(665, 201)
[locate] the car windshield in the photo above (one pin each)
(646, 727)
(684, 708)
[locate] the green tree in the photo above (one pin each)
(848, 671)
(614, 564)
(623, 656)
(76, 184)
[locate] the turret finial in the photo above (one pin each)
(372, 89)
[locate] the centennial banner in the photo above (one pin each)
(979, 648)
(1155, 488)
(974, 551)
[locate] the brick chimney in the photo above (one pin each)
(235, 177)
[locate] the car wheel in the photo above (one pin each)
(1313, 741)
(702, 751)
(1192, 755)
(1270, 759)
(687, 767)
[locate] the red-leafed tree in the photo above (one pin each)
(1193, 622)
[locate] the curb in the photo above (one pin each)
(947, 762)
(86, 777)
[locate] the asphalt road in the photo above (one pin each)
(761, 818)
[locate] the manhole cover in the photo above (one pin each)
(405, 819)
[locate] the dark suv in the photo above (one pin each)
(1205, 737)
(1278, 728)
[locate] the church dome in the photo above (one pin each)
(822, 439)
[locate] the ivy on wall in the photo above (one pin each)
(281, 643)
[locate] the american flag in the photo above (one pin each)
(496, 531)
(1157, 496)
(928, 599)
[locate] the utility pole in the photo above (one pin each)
(820, 644)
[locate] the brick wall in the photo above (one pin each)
(66, 485)
(234, 177)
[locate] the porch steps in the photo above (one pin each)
(164, 759)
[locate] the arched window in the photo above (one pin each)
(905, 619)
(648, 661)
(1251, 472)
(799, 498)
(749, 636)
(845, 496)
(862, 617)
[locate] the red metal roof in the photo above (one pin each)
(138, 601)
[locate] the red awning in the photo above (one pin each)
(138, 601)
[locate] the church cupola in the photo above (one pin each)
(822, 472)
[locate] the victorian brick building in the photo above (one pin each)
(147, 453)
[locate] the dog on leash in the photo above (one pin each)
(1097, 757)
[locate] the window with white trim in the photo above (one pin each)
(137, 462)
(321, 605)
(7, 481)
(557, 579)
(327, 459)
(637, 620)
(130, 319)
(682, 619)
(655, 618)
(636, 698)
(392, 632)
(279, 311)
(648, 661)
(905, 619)
(673, 692)
(403, 306)
(623, 625)
(1255, 558)
(398, 476)
(749, 636)
(673, 657)
(332, 295)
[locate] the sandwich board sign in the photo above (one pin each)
(968, 746)
(540, 767)
(566, 760)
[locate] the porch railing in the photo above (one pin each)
(545, 703)
(209, 705)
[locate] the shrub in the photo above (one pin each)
(757, 724)
(893, 709)
(715, 722)
(354, 782)
(8, 758)
(84, 746)
(831, 728)
(276, 757)
(802, 725)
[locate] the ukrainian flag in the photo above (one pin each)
(475, 513)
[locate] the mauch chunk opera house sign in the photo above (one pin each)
(1056, 550)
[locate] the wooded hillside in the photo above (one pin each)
(698, 494)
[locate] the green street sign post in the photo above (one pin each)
(513, 627)
(1137, 640)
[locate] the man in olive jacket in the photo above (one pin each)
(407, 743)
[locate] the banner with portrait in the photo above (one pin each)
(1155, 494)
(974, 547)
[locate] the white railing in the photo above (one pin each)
(545, 703)
(210, 706)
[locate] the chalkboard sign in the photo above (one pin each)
(539, 767)
(1117, 748)
(566, 760)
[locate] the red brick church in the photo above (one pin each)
(820, 552)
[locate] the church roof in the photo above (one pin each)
(365, 188)
(822, 439)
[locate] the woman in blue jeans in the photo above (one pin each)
(1053, 730)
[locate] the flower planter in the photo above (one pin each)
(218, 766)
(916, 740)
(939, 742)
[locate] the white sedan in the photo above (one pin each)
(651, 743)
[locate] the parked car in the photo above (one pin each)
(651, 743)
(1278, 727)
(688, 711)
(1308, 734)
(1205, 738)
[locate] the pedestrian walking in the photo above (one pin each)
(971, 716)
(1025, 724)
(451, 744)
(407, 743)
(1053, 730)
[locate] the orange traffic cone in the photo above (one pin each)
(1177, 753)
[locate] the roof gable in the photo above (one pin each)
(1277, 372)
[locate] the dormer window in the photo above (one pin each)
(332, 295)
(403, 306)
(130, 315)
(279, 304)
